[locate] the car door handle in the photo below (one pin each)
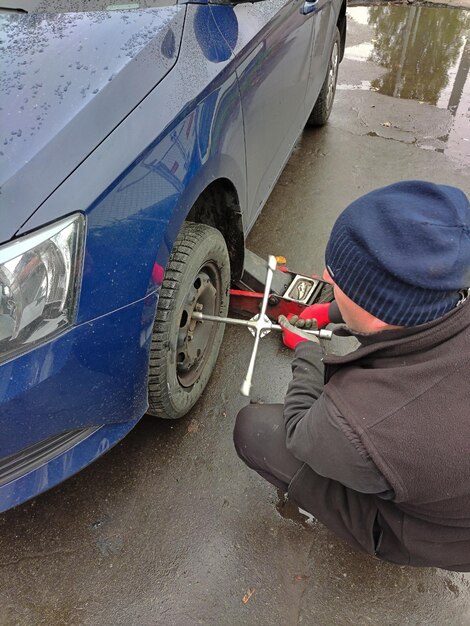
(309, 7)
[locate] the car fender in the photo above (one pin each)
(134, 210)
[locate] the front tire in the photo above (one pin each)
(322, 108)
(183, 351)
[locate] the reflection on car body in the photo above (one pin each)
(141, 142)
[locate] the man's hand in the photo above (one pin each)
(318, 312)
(312, 317)
(292, 334)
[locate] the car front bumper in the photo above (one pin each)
(68, 401)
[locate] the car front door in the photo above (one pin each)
(273, 51)
(323, 35)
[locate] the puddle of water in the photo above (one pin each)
(426, 54)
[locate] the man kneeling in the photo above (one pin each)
(376, 443)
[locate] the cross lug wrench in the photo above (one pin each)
(259, 325)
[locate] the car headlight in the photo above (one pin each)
(39, 283)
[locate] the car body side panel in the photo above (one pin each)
(97, 372)
(147, 197)
(279, 46)
(135, 188)
(323, 24)
(60, 100)
(273, 54)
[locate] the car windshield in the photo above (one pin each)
(74, 6)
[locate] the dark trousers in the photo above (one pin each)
(260, 441)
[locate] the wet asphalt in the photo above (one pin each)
(170, 528)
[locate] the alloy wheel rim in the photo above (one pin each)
(332, 76)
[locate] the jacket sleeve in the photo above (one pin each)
(317, 434)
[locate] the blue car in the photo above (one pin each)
(139, 144)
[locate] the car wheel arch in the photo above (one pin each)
(218, 206)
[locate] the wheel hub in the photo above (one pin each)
(195, 339)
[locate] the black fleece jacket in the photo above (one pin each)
(386, 442)
(318, 435)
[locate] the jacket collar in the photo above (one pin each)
(402, 341)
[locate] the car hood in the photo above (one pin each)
(68, 79)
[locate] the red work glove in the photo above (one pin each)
(315, 316)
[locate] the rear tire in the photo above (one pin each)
(183, 352)
(322, 108)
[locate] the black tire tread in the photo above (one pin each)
(189, 238)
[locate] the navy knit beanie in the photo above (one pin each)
(402, 252)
